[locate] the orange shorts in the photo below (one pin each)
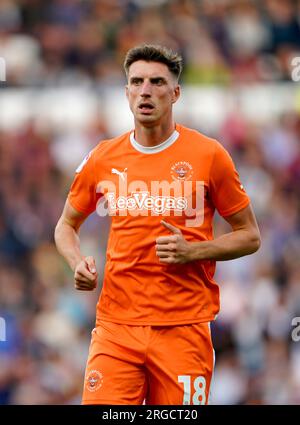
(149, 364)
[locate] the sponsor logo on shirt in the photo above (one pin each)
(178, 198)
(145, 201)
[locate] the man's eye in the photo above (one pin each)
(136, 81)
(158, 81)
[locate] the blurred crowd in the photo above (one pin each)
(84, 41)
(48, 323)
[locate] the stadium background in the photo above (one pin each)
(63, 94)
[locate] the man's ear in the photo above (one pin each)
(176, 93)
(126, 90)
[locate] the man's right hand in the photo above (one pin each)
(85, 275)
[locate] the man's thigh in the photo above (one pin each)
(114, 372)
(180, 364)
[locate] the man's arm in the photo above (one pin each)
(243, 240)
(68, 245)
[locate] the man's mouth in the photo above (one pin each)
(146, 107)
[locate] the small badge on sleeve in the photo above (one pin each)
(82, 164)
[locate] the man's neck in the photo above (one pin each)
(153, 136)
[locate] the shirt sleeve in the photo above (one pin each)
(82, 195)
(227, 193)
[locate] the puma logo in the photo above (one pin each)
(119, 173)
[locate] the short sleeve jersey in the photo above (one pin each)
(183, 181)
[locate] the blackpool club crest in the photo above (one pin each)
(181, 171)
(94, 380)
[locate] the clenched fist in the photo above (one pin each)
(85, 275)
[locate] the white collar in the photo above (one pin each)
(154, 149)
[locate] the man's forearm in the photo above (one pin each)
(68, 244)
(226, 247)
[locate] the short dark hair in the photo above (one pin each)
(154, 53)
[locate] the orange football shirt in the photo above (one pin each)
(182, 180)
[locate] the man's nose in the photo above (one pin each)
(146, 89)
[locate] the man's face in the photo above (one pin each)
(151, 91)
